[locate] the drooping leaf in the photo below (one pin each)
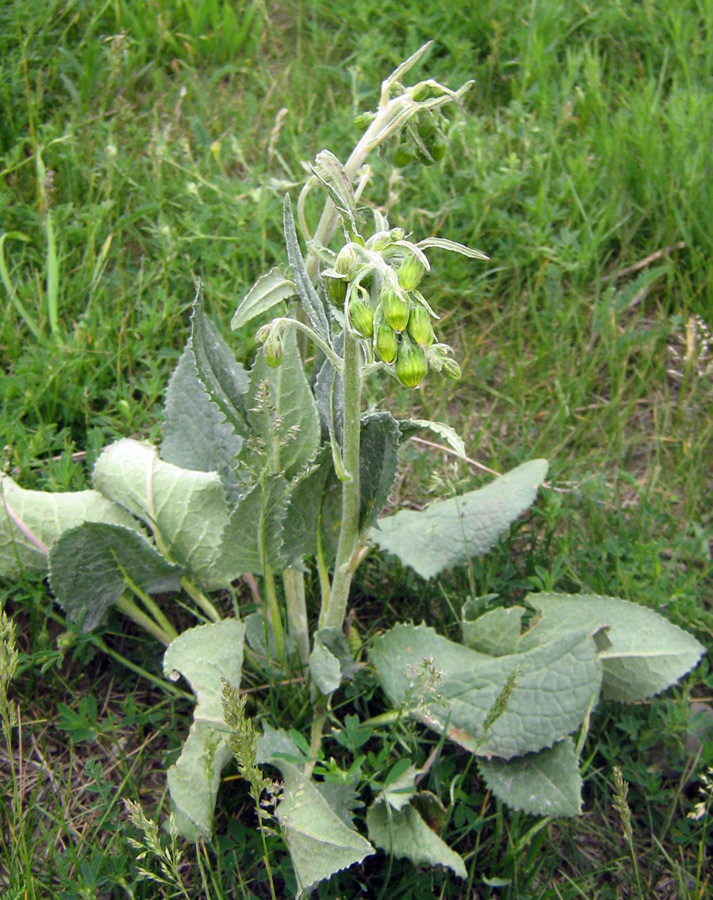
(204, 655)
(411, 427)
(554, 687)
(89, 566)
(453, 246)
(283, 413)
(448, 532)
(319, 840)
(546, 783)
(31, 521)
(311, 302)
(404, 834)
(269, 290)
(642, 652)
(187, 510)
(196, 432)
(222, 376)
(378, 461)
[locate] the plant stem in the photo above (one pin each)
(334, 607)
(200, 599)
(126, 605)
(274, 609)
(151, 606)
(297, 626)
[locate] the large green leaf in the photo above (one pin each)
(642, 653)
(555, 686)
(204, 655)
(546, 783)
(266, 293)
(404, 834)
(196, 432)
(319, 840)
(187, 510)
(449, 532)
(283, 413)
(31, 521)
(90, 564)
(378, 460)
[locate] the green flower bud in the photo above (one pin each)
(272, 348)
(438, 145)
(387, 344)
(411, 365)
(419, 326)
(396, 309)
(364, 119)
(410, 273)
(336, 289)
(361, 318)
(403, 155)
(426, 125)
(346, 262)
(451, 369)
(379, 241)
(397, 234)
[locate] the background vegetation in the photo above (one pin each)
(145, 145)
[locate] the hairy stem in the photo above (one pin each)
(199, 598)
(126, 605)
(297, 626)
(152, 607)
(273, 606)
(334, 607)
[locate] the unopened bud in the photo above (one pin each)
(346, 262)
(397, 234)
(403, 155)
(379, 241)
(410, 273)
(361, 317)
(419, 326)
(387, 344)
(451, 369)
(336, 289)
(411, 365)
(396, 309)
(272, 348)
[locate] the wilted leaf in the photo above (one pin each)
(89, 565)
(449, 532)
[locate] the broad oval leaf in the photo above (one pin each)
(449, 532)
(89, 565)
(546, 783)
(187, 510)
(555, 686)
(31, 521)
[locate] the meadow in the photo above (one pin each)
(145, 146)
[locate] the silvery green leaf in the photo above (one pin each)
(269, 290)
(410, 427)
(496, 633)
(450, 687)
(311, 302)
(329, 396)
(319, 840)
(546, 783)
(186, 510)
(447, 533)
(31, 521)
(283, 414)
(331, 175)
(196, 432)
(324, 668)
(642, 653)
(453, 246)
(204, 655)
(89, 565)
(224, 379)
(378, 461)
(404, 834)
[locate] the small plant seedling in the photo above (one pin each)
(261, 472)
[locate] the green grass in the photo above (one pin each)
(584, 149)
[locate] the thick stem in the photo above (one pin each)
(152, 608)
(335, 607)
(200, 599)
(297, 626)
(126, 605)
(273, 606)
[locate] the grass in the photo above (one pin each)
(143, 146)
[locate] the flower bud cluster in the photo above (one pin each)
(423, 140)
(376, 281)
